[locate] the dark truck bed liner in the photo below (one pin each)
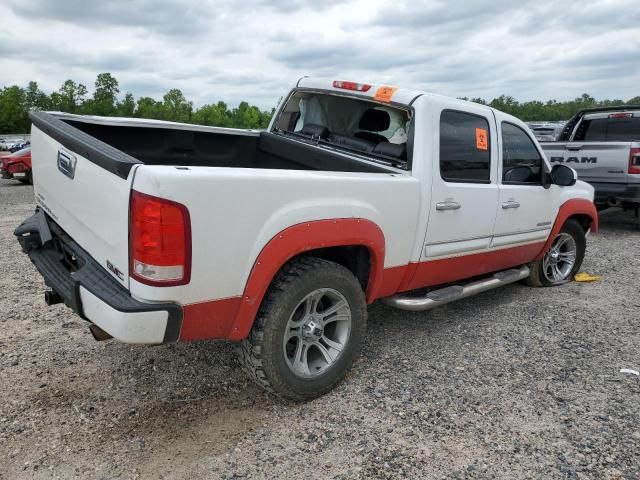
(117, 148)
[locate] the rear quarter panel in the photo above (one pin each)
(236, 212)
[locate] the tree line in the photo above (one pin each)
(16, 103)
(551, 110)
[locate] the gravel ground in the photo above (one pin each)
(515, 383)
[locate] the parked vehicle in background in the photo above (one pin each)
(161, 232)
(17, 166)
(19, 146)
(603, 145)
(546, 131)
(9, 143)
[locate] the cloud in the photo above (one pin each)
(255, 50)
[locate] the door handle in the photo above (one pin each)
(510, 204)
(574, 148)
(447, 205)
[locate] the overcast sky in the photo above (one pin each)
(256, 49)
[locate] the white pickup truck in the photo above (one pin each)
(603, 145)
(161, 232)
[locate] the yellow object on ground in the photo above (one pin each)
(586, 277)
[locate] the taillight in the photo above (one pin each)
(159, 241)
(358, 87)
(634, 161)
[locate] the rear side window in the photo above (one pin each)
(465, 150)
(521, 161)
(612, 129)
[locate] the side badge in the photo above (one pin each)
(67, 163)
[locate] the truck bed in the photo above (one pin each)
(164, 143)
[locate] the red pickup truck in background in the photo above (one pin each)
(17, 166)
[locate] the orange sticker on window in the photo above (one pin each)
(384, 94)
(482, 141)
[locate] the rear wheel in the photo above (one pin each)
(308, 331)
(563, 259)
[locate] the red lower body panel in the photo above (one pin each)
(447, 270)
(216, 319)
(206, 320)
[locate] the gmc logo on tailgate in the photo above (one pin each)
(574, 159)
(67, 163)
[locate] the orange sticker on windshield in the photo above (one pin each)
(482, 141)
(384, 94)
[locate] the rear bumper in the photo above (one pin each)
(90, 291)
(622, 192)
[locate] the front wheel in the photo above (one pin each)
(308, 331)
(563, 259)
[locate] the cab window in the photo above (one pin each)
(521, 161)
(465, 150)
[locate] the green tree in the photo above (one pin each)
(35, 99)
(215, 115)
(69, 98)
(147, 107)
(105, 96)
(13, 110)
(246, 116)
(127, 107)
(176, 107)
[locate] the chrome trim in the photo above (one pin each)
(446, 295)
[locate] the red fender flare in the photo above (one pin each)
(576, 206)
(299, 239)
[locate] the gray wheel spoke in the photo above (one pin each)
(293, 333)
(300, 363)
(328, 357)
(340, 304)
(557, 274)
(337, 318)
(311, 305)
(568, 256)
(333, 345)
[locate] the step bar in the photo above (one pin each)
(442, 296)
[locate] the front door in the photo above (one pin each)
(526, 210)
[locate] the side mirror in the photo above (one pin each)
(563, 176)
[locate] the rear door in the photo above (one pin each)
(464, 189)
(526, 209)
(74, 184)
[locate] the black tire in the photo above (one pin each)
(28, 180)
(263, 355)
(537, 277)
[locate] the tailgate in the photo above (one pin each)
(594, 161)
(84, 185)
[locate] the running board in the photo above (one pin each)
(445, 295)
